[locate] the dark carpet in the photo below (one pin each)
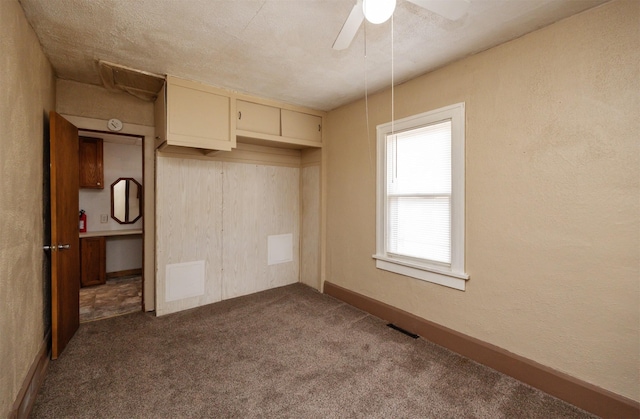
(290, 352)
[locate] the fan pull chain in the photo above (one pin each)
(392, 87)
(366, 85)
(393, 112)
(366, 103)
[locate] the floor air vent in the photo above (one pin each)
(401, 330)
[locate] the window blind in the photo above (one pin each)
(418, 193)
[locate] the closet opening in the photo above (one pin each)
(111, 225)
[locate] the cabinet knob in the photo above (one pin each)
(239, 114)
(98, 183)
(319, 127)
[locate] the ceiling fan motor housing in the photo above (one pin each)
(378, 11)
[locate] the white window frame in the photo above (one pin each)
(452, 276)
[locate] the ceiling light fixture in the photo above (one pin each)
(378, 11)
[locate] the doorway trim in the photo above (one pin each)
(148, 156)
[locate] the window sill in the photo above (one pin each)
(426, 273)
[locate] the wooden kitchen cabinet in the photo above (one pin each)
(301, 125)
(197, 116)
(91, 159)
(257, 118)
(93, 258)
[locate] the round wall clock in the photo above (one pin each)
(114, 124)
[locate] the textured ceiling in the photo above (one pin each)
(277, 49)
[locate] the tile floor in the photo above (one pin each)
(118, 296)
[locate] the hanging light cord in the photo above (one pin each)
(366, 104)
(393, 110)
(392, 87)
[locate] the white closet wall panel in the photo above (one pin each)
(280, 215)
(310, 241)
(259, 201)
(188, 226)
(241, 247)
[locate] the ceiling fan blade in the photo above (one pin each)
(350, 27)
(450, 9)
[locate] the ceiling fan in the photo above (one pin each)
(449, 9)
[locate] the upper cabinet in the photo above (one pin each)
(160, 116)
(202, 119)
(301, 125)
(257, 118)
(90, 159)
(197, 116)
(266, 123)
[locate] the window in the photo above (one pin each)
(420, 198)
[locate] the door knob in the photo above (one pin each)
(53, 247)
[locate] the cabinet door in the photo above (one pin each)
(160, 116)
(93, 257)
(196, 116)
(301, 125)
(90, 155)
(257, 118)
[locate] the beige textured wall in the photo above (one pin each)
(28, 93)
(552, 160)
(89, 101)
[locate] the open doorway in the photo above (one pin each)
(111, 238)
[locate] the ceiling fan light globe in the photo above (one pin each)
(378, 11)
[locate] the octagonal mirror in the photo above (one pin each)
(126, 200)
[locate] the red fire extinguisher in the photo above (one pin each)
(83, 222)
